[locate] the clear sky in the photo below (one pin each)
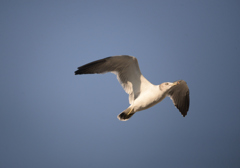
(51, 118)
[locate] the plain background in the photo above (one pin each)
(51, 118)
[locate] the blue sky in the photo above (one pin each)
(52, 118)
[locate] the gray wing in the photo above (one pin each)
(180, 96)
(125, 67)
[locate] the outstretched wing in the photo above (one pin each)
(180, 96)
(125, 67)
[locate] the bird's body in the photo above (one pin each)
(153, 94)
(142, 93)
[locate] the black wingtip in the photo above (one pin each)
(77, 72)
(184, 113)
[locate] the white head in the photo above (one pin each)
(165, 86)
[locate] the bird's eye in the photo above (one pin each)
(166, 83)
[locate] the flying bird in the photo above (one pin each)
(142, 93)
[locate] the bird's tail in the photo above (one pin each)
(126, 114)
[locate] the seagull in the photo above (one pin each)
(142, 93)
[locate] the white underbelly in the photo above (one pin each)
(146, 101)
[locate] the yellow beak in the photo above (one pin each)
(175, 83)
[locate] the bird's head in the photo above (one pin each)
(167, 85)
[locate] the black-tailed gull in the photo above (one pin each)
(142, 93)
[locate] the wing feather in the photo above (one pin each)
(180, 97)
(125, 67)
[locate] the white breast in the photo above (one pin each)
(148, 98)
